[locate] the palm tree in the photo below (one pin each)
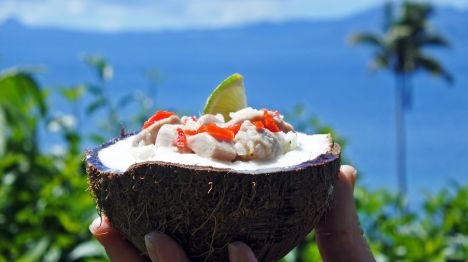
(401, 50)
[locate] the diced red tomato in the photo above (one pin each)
(156, 117)
(259, 124)
(235, 128)
(181, 141)
(270, 123)
(220, 133)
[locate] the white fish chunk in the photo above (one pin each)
(209, 118)
(148, 135)
(256, 144)
(207, 146)
(167, 135)
(247, 113)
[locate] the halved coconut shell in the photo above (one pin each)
(205, 209)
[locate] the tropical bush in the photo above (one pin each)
(45, 208)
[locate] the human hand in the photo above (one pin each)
(161, 248)
(338, 234)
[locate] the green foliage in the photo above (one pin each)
(437, 231)
(107, 111)
(44, 207)
(103, 69)
(43, 203)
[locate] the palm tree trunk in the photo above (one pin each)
(400, 134)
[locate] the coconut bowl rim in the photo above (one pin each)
(92, 158)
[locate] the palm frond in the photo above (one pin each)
(400, 48)
(432, 40)
(415, 13)
(430, 64)
(381, 60)
(368, 39)
(398, 33)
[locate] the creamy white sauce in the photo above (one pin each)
(122, 155)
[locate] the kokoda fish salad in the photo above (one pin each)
(244, 139)
(251, 139)
(230, 173)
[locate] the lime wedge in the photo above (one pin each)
(229, 96)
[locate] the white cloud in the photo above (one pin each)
(177, 14)
(76, 6)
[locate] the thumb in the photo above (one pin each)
(162, 248)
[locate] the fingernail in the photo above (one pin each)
(348, 170)
(95, 225)
(350, 174)
(234, 252)
(152, 246)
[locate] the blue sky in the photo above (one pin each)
(115, 15)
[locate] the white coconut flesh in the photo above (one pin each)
(122, 154)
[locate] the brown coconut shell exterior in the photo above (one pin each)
(204, 209)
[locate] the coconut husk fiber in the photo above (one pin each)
(204, 209)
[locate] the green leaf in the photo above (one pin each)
(367, 39)
(20, 89)
(299, 110)
(431, 40)
(36, 251)
(90, 248)
(72, 94)
(96, 138)
(126, 100)
(2, 133)
(380, 61)
(53, 255)
(95, 105)
(104, 70)
(94, 89)
(431, 65)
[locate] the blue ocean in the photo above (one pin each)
(299, 62)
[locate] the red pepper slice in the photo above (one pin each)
(259, 124)
(222, 134)
(234, 128)
(156, 117)
(190, 132)
(270, 123)
(181, 141)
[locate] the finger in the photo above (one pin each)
(342, 216)
(350, 174)
(117, 248)
(240, 252)
(339, 236)
(162, 248)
